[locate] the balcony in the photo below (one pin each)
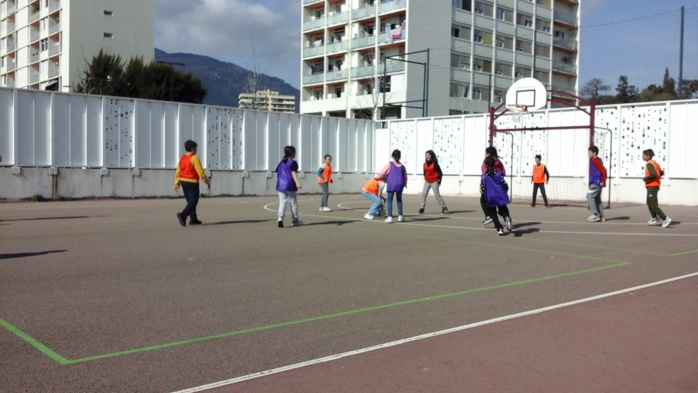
(34, 16)
(54, 6)
(337, 18)
(314, 24)
(54, 49)
(391, 66)
(34, 77)
(54, 28)
(54, 70)
(566, 18)
(565, 68)
(313, 78)
(338, 46)
(310, 1)
(566, 44)
(33, 35)
(337, 75)
(390, 5)
(363, 42)
(365, 12)
(11, 46)
(313, 51)
(362, 72)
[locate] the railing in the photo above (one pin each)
(54, 49)
(566, 18)
(360, 72)
(336, 75)
(54, 6)
(338, 46)
(390, 5)
(567, 68)
(310, 1)
(34, 78)
(54, 28)
(313, 78)
(313, 24)
(568, 44)
(337, 18)
(34, 17)
(54, 70)
(363, 41)
(313, 51)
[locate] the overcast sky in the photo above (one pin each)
(232, 30)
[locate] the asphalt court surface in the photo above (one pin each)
(113, 295)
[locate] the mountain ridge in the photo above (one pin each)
(224, 81)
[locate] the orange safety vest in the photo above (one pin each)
(539, 173)
(430, 173)
(655, 182)
(186, 168)
(372, 186)
(326, 175)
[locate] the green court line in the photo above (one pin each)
(64, 361)
(36, 344)
(683, 253)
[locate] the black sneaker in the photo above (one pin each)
(444, 210)
(195, 222)
(182, 220)
(421, 210)
(281, 224)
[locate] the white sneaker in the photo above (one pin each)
(401, 218)
(500, 232)
(320, 209)
(368, 216)
(508, 224)
(653, 221)
(593, 218)
(326, 209)
(666, 222)
(389, 220)
(487, 220)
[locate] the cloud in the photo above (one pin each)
(590, 6)
(231, 30)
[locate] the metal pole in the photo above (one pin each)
(681, 56)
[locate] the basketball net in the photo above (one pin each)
(517, 112)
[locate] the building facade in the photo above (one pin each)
(267, 100)
(409, 58)
(46, 44)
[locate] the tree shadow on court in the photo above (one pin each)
(28, 254)
(52, 218)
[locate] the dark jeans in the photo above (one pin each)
(536, 186)
(491, 212)
(653, 203)
(191, 194)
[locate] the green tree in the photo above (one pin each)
(626, 92)
(108, 75)
(593, 89)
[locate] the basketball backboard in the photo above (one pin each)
(529, 92)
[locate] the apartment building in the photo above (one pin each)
(409, 58)
(267, 100)
(46, 44)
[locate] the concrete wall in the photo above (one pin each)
(147, 183)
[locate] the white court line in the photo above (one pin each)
(425, 336)
(483, 228)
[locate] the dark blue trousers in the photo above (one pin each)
(191, 194)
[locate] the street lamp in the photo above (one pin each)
(171, 64)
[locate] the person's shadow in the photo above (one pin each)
(28, 254)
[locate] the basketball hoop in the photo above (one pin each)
(517, 111)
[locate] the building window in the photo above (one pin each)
(477, 94)
(455, 32)
(43, 45)
(528, 23)
(501, 14)
(499, 44)
(385, 85)
(108, 35)
(477, 38)
(559, 34)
